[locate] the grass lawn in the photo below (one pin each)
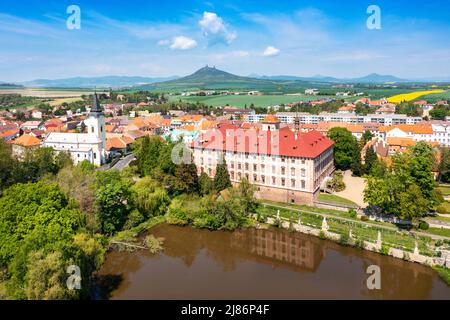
(246, 100)
(336, 199)
(444, 207)
(445, 190)
(444, 273)
(438, 231)
(440, 218)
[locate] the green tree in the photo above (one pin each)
(369, 160)
(366, 137)
(112, 200)
(222, 178)
(246, 194)
(439, 112)
(46, 277)
(444, 164)
(37, 163)
(346, 148)
(412, 204)
(7, 165)
(150, 198)
(206, 184)
(78, 183)
(186, 178)
(30, 207)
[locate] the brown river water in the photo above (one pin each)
(259, 264)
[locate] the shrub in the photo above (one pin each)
(343, 239)
(322, 235)
(177, 214)
(337, 183)
(352, 213)
(206, 221)
(261, 218)
(134, 218)
(384, 249)
(423, 225)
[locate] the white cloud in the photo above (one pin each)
(182, 43)
(271, 51)
(215, 29)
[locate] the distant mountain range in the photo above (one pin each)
(7, 84)
(90, 82)
(212, 78)
(371, 78)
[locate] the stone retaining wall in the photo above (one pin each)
(444, 260)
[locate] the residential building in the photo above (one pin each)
(23, 143)
(307, 118)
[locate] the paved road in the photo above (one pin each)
(124, 162)
(432, 236)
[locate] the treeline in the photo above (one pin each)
(197, 200)
(407, 187)
(12, 101)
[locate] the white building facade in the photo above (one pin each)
(90, 146)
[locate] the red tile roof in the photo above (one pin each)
(283, 142)
(27, 140)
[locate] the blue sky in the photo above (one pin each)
(152, 38)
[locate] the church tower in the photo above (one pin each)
(95, 124)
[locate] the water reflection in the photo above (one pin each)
(261, 264)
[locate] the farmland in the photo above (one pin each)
(413, 95)
(435, 97)
(246, 100)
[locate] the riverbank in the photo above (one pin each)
(373, 238)
(261, 263)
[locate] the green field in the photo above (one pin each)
(436, 97)
(246, 100)
(336, 199)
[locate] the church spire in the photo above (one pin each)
(95, 104)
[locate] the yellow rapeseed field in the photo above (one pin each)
(411, 96)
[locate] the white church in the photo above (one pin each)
(83, 146)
